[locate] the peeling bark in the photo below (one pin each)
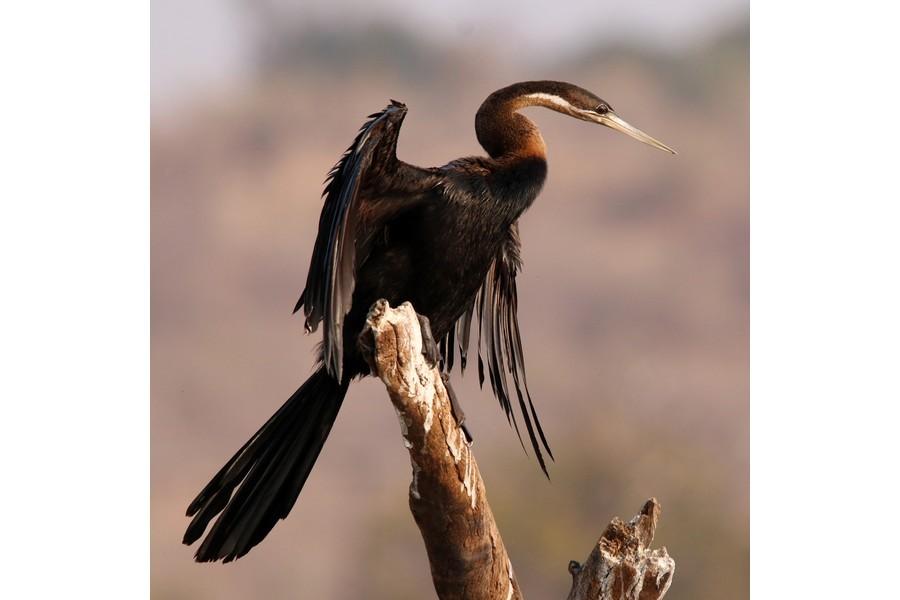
(622, 566)
(447, 495)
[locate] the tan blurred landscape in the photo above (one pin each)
(633, 307)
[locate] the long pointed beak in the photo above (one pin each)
(614, 121)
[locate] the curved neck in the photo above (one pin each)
(502, 131)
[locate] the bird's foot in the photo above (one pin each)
(457, 409)
(430, 349)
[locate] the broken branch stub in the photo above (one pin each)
(622, 566)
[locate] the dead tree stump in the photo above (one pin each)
(447, 495)
(622, 566)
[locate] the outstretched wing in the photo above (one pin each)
(363, 189)
(498, 337)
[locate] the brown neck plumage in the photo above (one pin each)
(503, 132)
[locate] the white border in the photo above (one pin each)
(825, 332)
(74, 323)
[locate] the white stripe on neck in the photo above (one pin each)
(552, 99)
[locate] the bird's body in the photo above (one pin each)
(436, 255)
(446, 240)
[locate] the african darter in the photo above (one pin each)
(445, 239)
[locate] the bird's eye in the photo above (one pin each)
(602, 108)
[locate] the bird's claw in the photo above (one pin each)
(430, 349)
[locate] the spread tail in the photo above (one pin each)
(268, 472)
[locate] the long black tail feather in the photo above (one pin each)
(268, 471)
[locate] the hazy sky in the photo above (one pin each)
(204, 42)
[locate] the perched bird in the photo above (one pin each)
(445, 239)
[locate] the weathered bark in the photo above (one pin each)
(447, 499)
(447, 495)
(622, 566)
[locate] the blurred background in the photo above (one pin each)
(633, 301)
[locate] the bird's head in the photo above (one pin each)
(579, 103)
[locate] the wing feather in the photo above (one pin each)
(345, 226)
(500, 341)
